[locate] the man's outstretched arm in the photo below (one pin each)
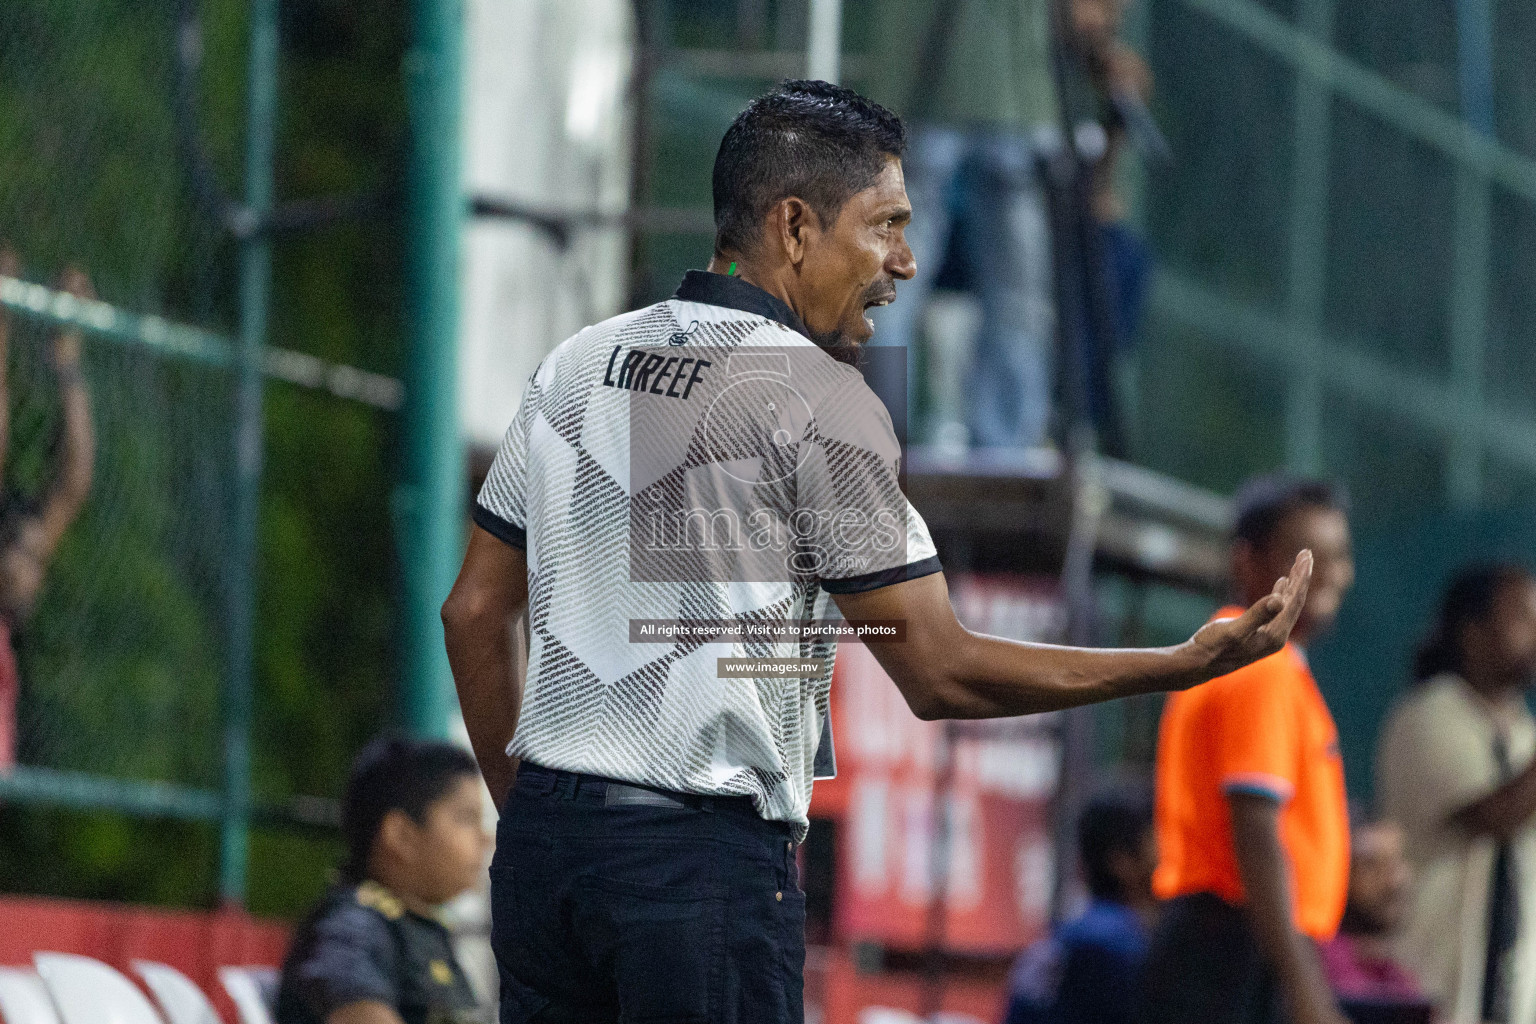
(486, 657)
(946, 671)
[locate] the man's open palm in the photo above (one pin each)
(1261, 630)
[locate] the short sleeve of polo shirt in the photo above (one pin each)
(501, 508)
(860, 531)
(350, 959)
(1256, 731)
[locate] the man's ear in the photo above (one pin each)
(790, 222)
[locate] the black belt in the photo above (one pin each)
(625, 794)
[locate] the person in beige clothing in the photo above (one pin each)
(1457, 769)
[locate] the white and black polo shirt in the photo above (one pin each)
(699, 461)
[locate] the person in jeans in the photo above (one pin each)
(1252, 817)
(1456, 766)
(974, 79)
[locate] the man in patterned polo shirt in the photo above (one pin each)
(687, 495)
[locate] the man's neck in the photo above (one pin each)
(751, 273)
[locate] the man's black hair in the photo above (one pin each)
(820, 142)
(1264, 502)
(395, 774)
(1110, 824)
(1469, 598)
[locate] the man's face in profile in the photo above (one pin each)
(853, 264)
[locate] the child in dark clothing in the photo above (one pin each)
(1088, 971)
(373, 951)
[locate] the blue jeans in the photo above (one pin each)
(683, 914)
(984, 184)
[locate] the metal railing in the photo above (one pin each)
(169, 338)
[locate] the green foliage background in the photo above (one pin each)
(122, 659)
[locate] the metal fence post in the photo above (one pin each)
(430, 508)
(1307, 282)
(255, 286)
(1470, 266)
(824, 42)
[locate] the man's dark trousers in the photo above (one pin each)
(609, 906)
(1205, 967)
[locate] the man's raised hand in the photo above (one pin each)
(1229, 644)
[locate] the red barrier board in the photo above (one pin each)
(838, 993)
(197, 944)
(997, 780)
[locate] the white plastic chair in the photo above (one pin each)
(180, 999)
(24, 998)
(887, 1015)
(87, 991)
(247, 988)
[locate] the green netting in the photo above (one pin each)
(122, 657)
(121, 146)
(1422, 274)
(90, 172)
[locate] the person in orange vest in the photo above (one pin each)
(1251, 814)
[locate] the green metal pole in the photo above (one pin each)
(1311, 130)
(1465, 470)
(430, 500)
(255, 286)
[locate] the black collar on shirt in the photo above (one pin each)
(734, 293)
